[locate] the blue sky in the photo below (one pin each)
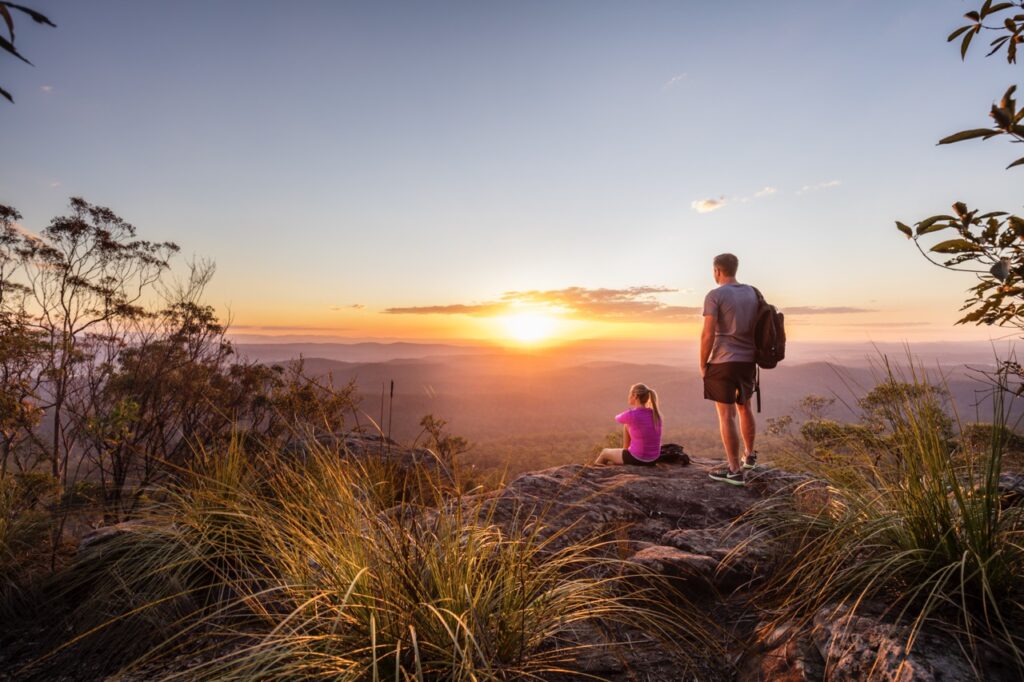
(404, 155)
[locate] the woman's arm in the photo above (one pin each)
(625, 437)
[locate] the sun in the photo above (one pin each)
(529, 327)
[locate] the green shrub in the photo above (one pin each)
(919, 528)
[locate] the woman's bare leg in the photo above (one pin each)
(609, 456)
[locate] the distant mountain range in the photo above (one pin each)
(564, 399)
(680, 352)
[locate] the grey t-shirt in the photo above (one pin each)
(734, 307)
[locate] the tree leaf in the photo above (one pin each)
(1002, 117)
(954, 34)
(956, 246)
(36, 16)
(929, 229)
(969, 135)
(6, 95)
(1018, 162)
(1001, 270)
(9, 47)
(967, 42)
(7, 20)
(1007, 102)
(904, 229)
(928, 222)
(996, 44)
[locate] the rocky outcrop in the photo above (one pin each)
(668, 517)
(842, 645)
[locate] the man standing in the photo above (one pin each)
(727, 364)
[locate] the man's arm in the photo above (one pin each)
(707, 341)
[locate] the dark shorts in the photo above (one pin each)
(628, 458)
(730, 382)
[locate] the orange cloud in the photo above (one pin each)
(634, 304)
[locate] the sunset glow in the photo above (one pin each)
(529, 328)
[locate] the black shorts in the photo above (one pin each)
(628, 458)
(730, 382)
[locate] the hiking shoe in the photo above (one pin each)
(750, 461)
(727, 476)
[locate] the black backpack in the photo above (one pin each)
(769, 340)
(769, 334)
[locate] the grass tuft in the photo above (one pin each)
(333, 567)
(919, 528)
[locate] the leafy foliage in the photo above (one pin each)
(988, 244)
(991, 245)
(7, 44)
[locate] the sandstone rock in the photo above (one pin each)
(675, 563)
(373, 447)
(861, 647)
(1011, 489)
(99, 536)
(840, 645)
(741, 556)
(634, 504)
(785, 655)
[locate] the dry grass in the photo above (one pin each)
(338, 568)
(919, 528)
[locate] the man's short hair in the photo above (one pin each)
(727, 263)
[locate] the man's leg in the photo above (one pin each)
(748, 427)
(730, 434)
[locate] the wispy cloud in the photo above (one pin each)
(888, 325)
(821, 185)
(350, 306)
(634, 304)
(824, 310)
(707, 205)
(55, 184)
(46, 88)
(673, 81)
(476, 309)
(284, 328)
(18, 227)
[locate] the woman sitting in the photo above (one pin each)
(641, 431)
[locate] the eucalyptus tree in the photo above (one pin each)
(84, 274)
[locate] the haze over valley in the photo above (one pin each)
(526, 409)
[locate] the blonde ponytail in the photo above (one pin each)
(648, 398)
(654, 406)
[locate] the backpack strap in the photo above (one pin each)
(757, 374)
(757, 387)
